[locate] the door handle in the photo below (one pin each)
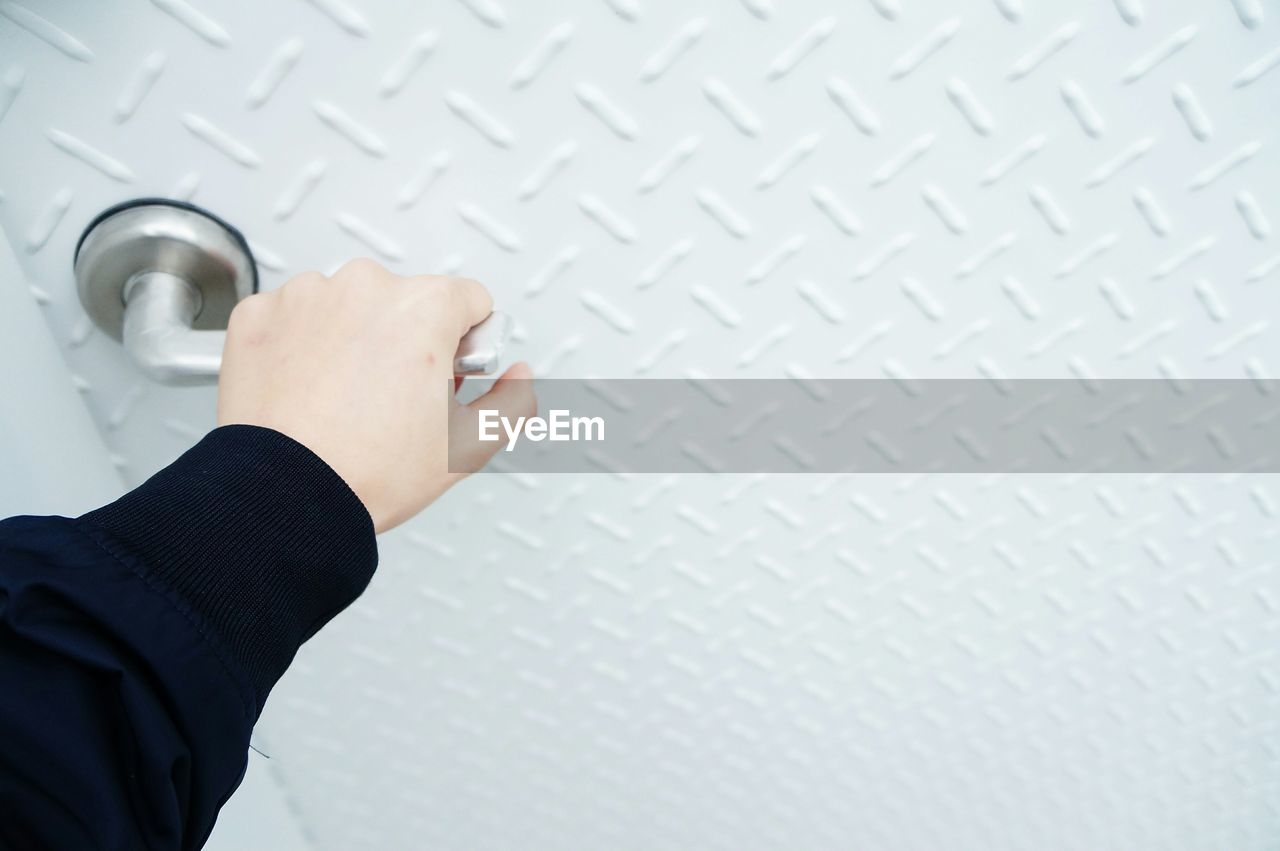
(162, 277)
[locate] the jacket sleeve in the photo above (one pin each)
(138, 643)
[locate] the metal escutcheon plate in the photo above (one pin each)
(158, 235)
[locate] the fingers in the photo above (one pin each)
(469, 300)
(512, 393)
(511, 396)
(472, 301)
(454, 305)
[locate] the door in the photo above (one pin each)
(738, 188)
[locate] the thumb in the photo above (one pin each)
(511, 396)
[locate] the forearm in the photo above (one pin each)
(261, 538)
(139, 643)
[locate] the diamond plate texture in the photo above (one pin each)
(738, 188)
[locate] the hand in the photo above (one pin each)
(358, 368)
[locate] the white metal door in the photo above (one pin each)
(739, 188)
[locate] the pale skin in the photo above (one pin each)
(358, 368)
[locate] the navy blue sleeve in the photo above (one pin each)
(138, 643)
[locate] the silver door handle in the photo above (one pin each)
(162, 277)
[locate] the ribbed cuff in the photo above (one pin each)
(257, 534)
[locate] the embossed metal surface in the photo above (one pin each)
(739, 188)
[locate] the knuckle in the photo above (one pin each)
(433, 293)
(248, 312)
(470, 284)
(480, 293)
(453, 292)
(434, 285)
(362, 267)
(303, 282)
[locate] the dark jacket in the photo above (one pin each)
(138, 643)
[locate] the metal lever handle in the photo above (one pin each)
(160, 308)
